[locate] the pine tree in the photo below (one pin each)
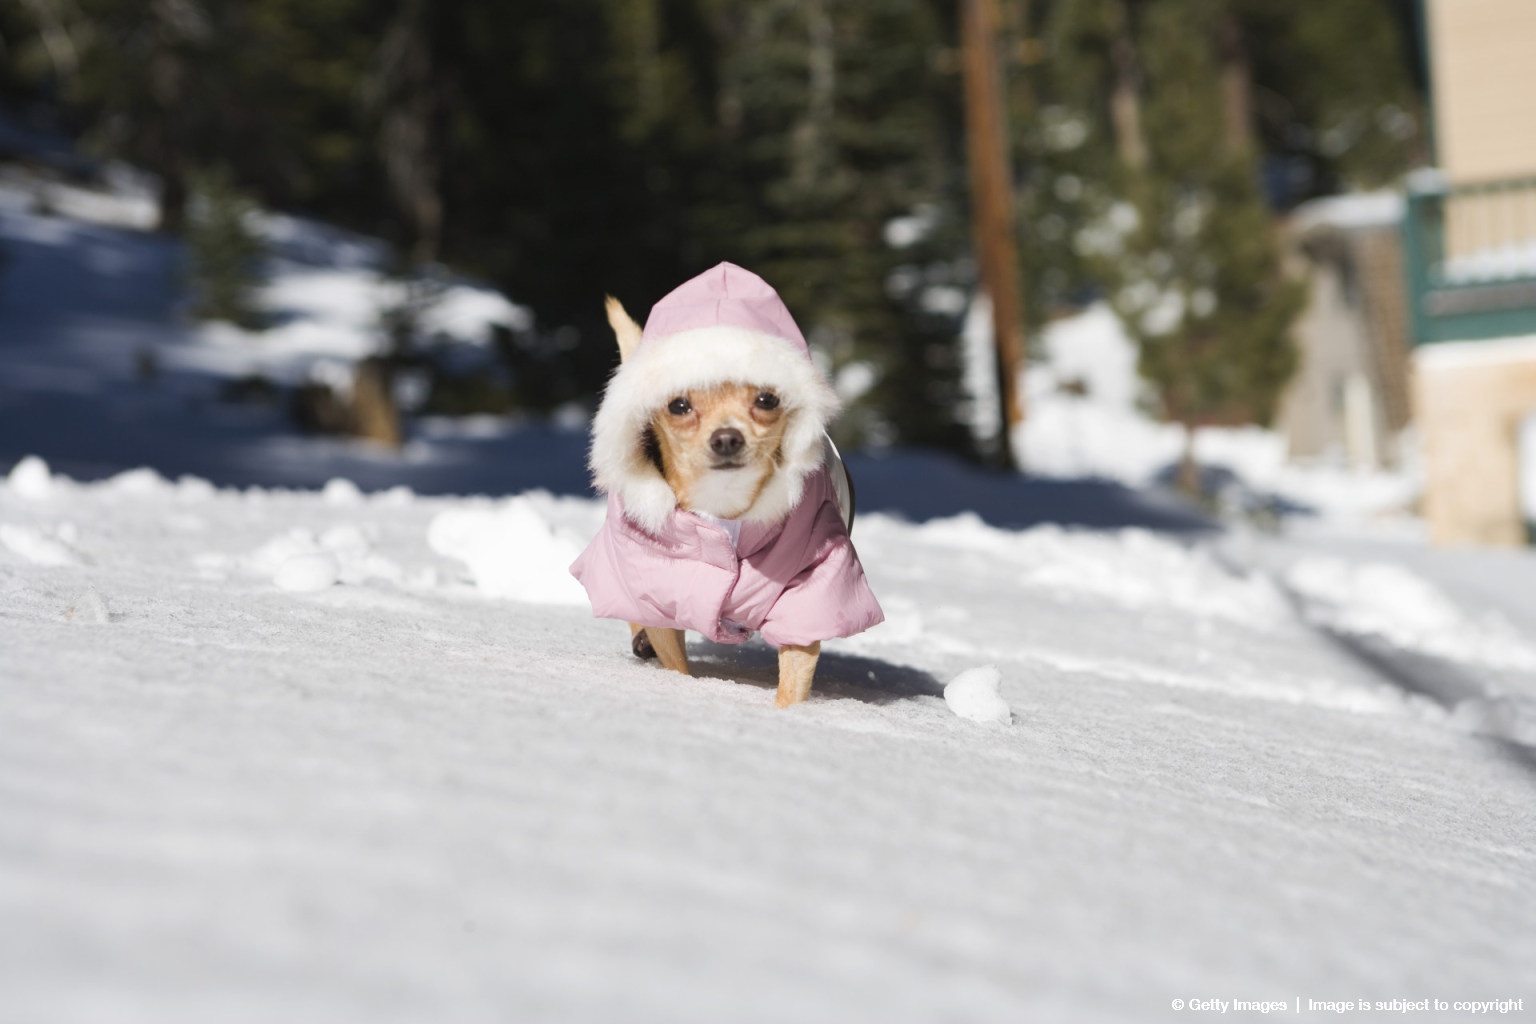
(836, 114)
(1065, 143)
(1331, 104)
(1339, 104)
(1199, 283)
(225, 253)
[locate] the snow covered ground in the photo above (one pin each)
(1086, 419)
(275, 747)
(285, 755)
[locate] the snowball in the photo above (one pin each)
(30, 479)
(271, 555)
(38, 547)
(973, 694)
(89, 607)
(341, 491)
(511, 552)
(307, 572)
(140, 482)
(344, 552)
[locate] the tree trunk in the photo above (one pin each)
(1189, 469)
(992, 209)
(645, 36)
(1236, 84)
(407, 89)
(1125, 95)
(374, 415)
(53, 33)
(733, 30)
(811, 140)
(167, 75)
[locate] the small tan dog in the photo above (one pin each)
(717, 447)
(728, 508)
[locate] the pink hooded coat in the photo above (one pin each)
(793, 573)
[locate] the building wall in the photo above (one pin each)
(1483, 74)
(1472, 398)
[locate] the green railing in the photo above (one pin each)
(1469, 252)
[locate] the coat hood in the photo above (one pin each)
(725, 326)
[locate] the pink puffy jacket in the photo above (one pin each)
(798, 581)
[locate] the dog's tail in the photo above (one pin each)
(624, 327)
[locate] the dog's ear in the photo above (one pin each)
(624, 327)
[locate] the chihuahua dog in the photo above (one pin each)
(728, 507)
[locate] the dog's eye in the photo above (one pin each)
(767, 401)
(679, 407)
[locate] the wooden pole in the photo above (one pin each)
(992, 207)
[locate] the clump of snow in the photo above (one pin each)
(341, 491)
(973, 695)
(40, 547)
(397, 496)
(139, 482)
(297, 560)
(30, 479)
(308, 572)
(1381, 600)
(89, 607)
(511, 550)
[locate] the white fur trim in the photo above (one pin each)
(662, 368)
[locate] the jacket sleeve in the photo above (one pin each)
(830, 596)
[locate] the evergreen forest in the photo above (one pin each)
(564, 149)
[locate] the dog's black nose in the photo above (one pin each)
(726, 442)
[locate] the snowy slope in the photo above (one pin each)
(398, 797)
(320, 755)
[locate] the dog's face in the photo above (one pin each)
(720, 446)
